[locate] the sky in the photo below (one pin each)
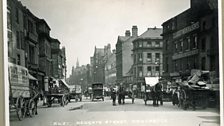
(80, 25)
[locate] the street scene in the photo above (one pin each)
(91, 63)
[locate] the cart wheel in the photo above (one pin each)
(20, 108)
(31, 107)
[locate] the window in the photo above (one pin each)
(181, 45)
(149, 69)
(18, 59)
(157, 44)
(149, 44)
(18, 40)
(140, 44)
(30, 26)
(176, 47)
(157, 68)
(149, 57)
(140, 73)
(195, 41)
(17, 15)
(31, 54)
(140, 57)
(203, 44)
(157, 56)
(188, 43)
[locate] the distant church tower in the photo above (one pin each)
(77, 63)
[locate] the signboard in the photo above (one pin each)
(19, 80)
(186, 54)
(186, 30)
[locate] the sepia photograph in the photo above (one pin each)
(113, 63)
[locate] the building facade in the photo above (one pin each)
(29, 42)
(110, 70)
(99, 60)
(58, 60)
(147, 56)
(191, 40)
(124, 58)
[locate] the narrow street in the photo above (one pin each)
(96, 113)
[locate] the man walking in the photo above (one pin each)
(113, 96)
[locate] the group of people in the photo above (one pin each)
(156, 94)
(121, 96)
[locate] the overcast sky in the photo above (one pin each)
(80, 25)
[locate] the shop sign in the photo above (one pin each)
(186, 30)
(186, 54)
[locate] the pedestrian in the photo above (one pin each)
(113, 96)
(159, 94)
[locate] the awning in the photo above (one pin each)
(31, 77)
(151, 80)
(63, 81)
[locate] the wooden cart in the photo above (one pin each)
(58, 94)
(22, 97)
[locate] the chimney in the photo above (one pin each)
(127, 33)
(134, 31)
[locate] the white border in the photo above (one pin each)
(5, 39)
(5, 58)
(220, 60)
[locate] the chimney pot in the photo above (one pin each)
(127, 33)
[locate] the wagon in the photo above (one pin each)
(23, 93)
(58, 93)
(193, 97)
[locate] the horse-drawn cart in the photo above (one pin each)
(23, 93)
(58, 93)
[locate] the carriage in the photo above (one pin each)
(58, 93)
(23, 91)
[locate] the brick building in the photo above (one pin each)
(191, 40)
